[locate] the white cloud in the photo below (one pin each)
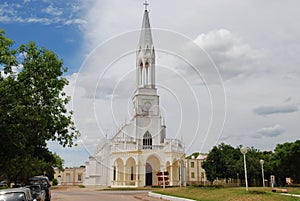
(74, 21)
(51, 10)
(29, 12)
(272, 131)
(275, 109)
(230, 53)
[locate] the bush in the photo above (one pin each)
(54, 182)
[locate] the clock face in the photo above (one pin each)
(146, 107)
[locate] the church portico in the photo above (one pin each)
(139, 153)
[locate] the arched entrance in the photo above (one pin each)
(151, 169)
(148, 175)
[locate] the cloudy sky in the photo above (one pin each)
(227, 71)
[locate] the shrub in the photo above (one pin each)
(54, 182)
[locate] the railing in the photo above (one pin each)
(119, 145)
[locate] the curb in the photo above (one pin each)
(167, 197)
(292, 195)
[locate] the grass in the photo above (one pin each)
(294, 190)
(228, 194)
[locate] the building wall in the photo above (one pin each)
(195, 174)
(70, 176)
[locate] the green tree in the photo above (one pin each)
(253, 157)
(32, 109)
(222, 162)
(286, 161)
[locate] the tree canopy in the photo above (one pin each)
(32, 109)
(287, 161)
(224, 162)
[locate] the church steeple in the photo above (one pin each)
(145, 57)
(145, 36)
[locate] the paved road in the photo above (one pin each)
(93, 195)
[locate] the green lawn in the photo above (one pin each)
(232, 194)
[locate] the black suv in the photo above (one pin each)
(43, 181)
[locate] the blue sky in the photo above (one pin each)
(253, 43)
(52, 24)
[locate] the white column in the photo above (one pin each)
(143, 174)
(144, 76)
(140, 75)
(124, 176)
(113, 172)
(171, 174)
(180, 171)
(152, 74)
(137, 175)
(137, 75)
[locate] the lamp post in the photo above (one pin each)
(261, 161)
(163, 177)
(244, 151)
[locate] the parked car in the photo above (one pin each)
(37, 192)
(3, 185)
(16, 194)
(43, 182)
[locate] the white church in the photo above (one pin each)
(140, 151)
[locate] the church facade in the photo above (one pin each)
(140, 152)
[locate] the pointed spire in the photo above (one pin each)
(145, 55)
(145, 36)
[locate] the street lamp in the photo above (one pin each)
(163, 177)
(244, 151)
(261, 161)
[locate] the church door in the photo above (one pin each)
(148, 175)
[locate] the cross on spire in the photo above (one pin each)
(146, 4)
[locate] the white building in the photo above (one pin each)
(140, 149)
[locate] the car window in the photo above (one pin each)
(16, 196)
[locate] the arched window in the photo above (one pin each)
(147, 141)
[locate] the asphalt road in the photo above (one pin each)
(76, 194)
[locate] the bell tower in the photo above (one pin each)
(146, 101)
(145, 55)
